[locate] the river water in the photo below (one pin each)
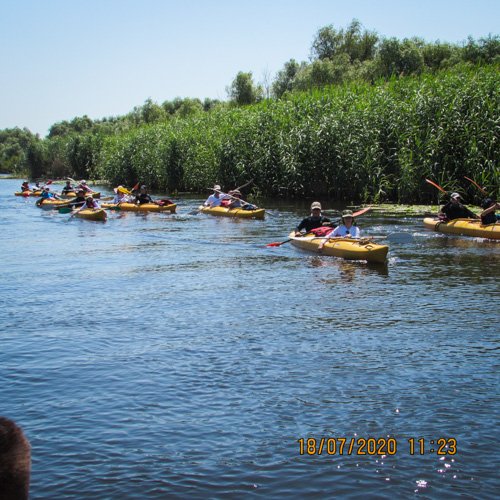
(176, 356)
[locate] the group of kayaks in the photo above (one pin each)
(347, 248)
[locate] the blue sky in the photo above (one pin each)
(67, 58)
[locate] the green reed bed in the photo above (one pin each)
(357, 142)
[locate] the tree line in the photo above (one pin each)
(363, 120)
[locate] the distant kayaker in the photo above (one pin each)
(83, 185)
(68, 188)
(89, 203)
(315, 220)
(47, 195)
(143, 196)
(215, 199)
(488, 215)
(78, 200)
(346, 229)
(25, 186)
(121, 195)
(455, 210)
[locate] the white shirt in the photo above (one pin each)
(213, 201)
(341, 230)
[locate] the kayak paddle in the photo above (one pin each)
(437, 186)
(477, 185)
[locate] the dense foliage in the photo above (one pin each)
(367, 119)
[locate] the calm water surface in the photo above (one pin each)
(176, 356)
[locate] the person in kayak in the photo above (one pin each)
(488, 215)
(88, 203)
(47, 195)
(25, 186)
(455, 210)
(121, 195)
(68, 188)
(143, 196)
(346, 229)
(215, 199)
(83, 185)
(78, 200)
(314, 221)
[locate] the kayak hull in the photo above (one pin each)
(345, 248)
(259, 213)
(97, 214)
(72, 194)
(464, 227)
(51, 203)
(146, 207)
(28, 193)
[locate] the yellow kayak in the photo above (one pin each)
(465, 227)
(145, 207)
(51, 203)
(72, 194)
(92, 214)
(346, 248)
(28, 193)
(258, 213)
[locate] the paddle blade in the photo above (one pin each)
(65, 210)
(277, 243)
(361, 212)
(437, 186)
(26, 194)
(477, 185)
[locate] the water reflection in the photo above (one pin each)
(349, 270)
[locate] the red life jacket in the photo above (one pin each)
(322, 231)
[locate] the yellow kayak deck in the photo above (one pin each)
(258, 213)
(464, 227)
(145, 207)
(345, 248)
(92, 214)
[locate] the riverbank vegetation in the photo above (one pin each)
(366, 120)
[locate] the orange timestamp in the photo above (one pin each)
(375, 446)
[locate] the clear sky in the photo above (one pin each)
(65, 58)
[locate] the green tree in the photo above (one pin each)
(189, 107)
(357, 43)
(243, 90)
(285, 78)
(400, 57)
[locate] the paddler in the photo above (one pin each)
(346, 229)
(455, 210)
(83, 185)
(47, 195)
(121, 195)
(68, 188)
(314, 221)
(215, 199)
(143, 196)
(78, 200)
(25, 186)
(488, 215)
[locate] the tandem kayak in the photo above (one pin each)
(464, 227)
(346, 248)
(145, 207)
(258, 213)
(92, 214)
